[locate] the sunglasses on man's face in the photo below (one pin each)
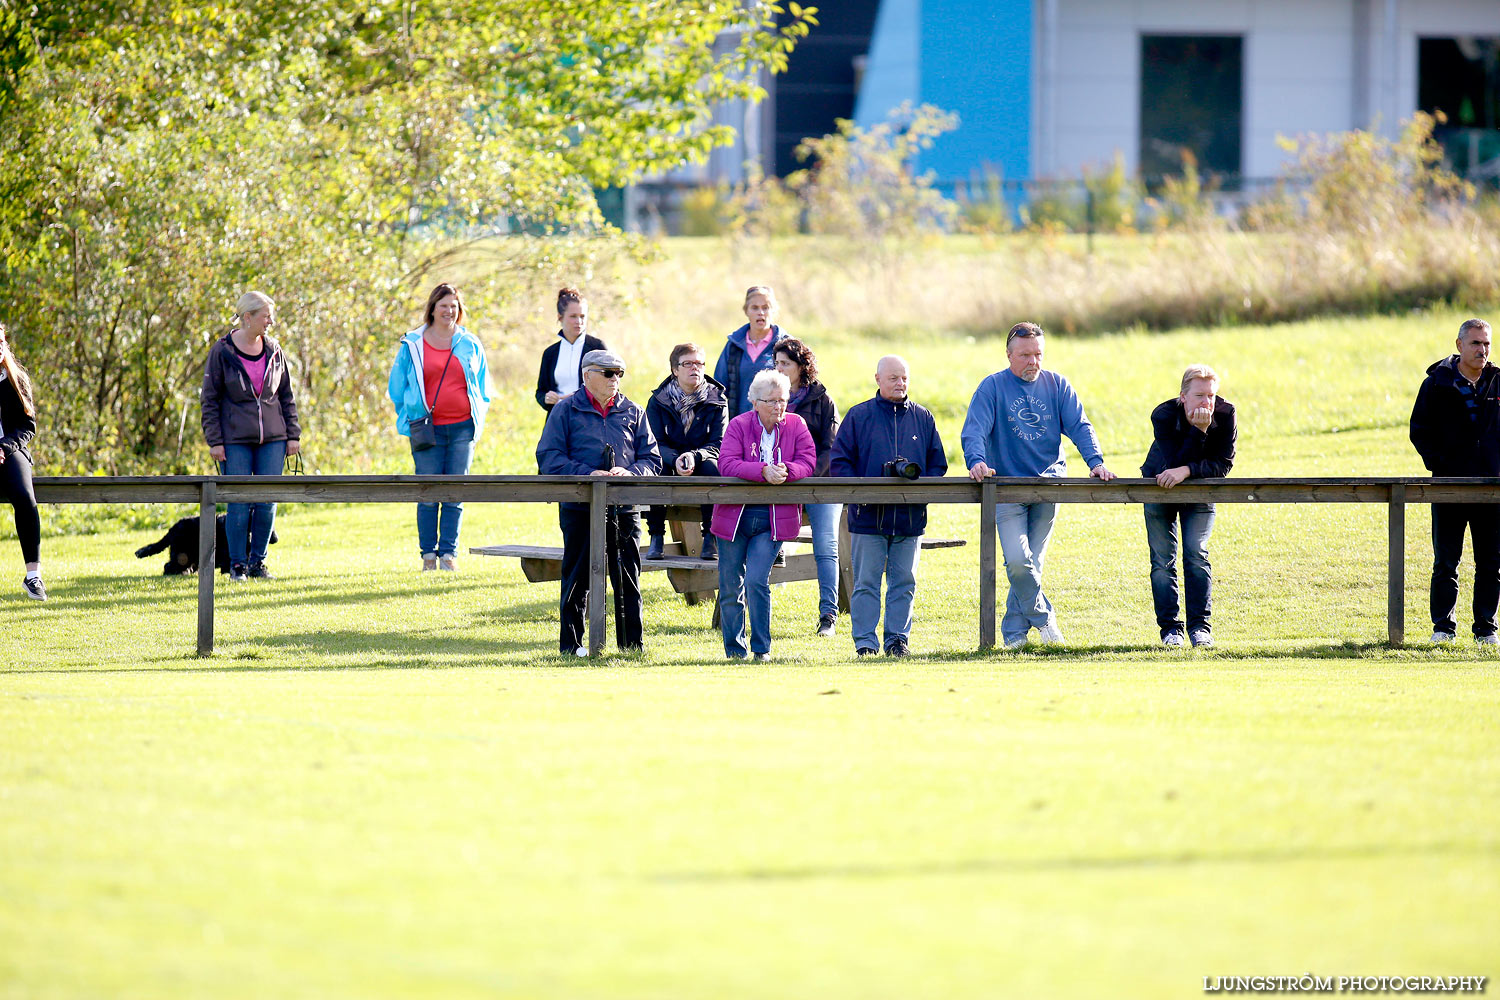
(611, 372)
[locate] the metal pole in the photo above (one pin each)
(206, 570)
(598, 554)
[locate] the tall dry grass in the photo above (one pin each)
(1364, 225)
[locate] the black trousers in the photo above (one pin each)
(656, 515)
(15, 479)
(1448, 523)
(622, 527)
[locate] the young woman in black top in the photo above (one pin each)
(811, 402)
(17, 427)
(562, 363)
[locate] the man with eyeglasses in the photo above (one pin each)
(687, 414)
(599, 432)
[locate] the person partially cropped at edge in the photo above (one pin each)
(250, 424)
(687, 412)
(885, 540)
(1192, 436)
(599, 432)
(561, 373)
(1014, 427)
(440, 374)
(766, 445)
(750, 349)
(17, 428)
(1455, 427)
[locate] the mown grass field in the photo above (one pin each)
(388, 785)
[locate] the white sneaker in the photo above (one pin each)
(1172, 640)
(448, 563)
(581, 651)
(1050, 633)
(429, 562)
(1015, 643)
(1440, 637)
(1487, 640)
(1203, 637)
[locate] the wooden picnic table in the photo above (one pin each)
(697, 579)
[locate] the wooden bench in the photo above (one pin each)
(697, 580)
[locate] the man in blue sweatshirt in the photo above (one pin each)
(1014, 427)
(886, 539)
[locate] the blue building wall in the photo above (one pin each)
(976, 60)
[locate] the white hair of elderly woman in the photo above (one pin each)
(764, 381)
(252, 302)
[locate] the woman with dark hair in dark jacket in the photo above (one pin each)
(811, 402)
(17, 427)
(250, 424)
(687, 413)
(561, 374)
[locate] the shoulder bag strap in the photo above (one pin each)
(440, 381)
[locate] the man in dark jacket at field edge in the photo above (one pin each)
(888, 435)
(598, 432)
(1455, 426)
(1192, 436)
(687, 413)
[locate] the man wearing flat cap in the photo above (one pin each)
(598, 432)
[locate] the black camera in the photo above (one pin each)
(901, 468)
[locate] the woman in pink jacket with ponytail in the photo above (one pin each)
(765, 445)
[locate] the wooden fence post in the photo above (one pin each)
(206, 569)
(987, 542)
(598, 555)
(1395, 598)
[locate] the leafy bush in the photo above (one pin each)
(1113, 198)
(862, 184)
(982, 205)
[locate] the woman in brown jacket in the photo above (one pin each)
(250, 424)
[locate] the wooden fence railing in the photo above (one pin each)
(601, 492)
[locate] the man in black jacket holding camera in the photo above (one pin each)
(1455, 426)
(888, 435)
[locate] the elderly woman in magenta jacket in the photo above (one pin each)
(764, 445)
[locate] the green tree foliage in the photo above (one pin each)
(164, 156)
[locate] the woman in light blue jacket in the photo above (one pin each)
(440, 383)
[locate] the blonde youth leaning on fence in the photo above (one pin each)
(1192, 436)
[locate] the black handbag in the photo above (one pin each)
(423, 435)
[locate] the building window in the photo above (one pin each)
(1461, 78)
(1192, 100)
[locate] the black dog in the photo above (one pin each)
(182, 539)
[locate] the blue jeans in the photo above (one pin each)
(449, 457)
(251, 522)
(1025, 529)
(745, 579)
(1161, 535)
(895, 558)
(824, 519)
